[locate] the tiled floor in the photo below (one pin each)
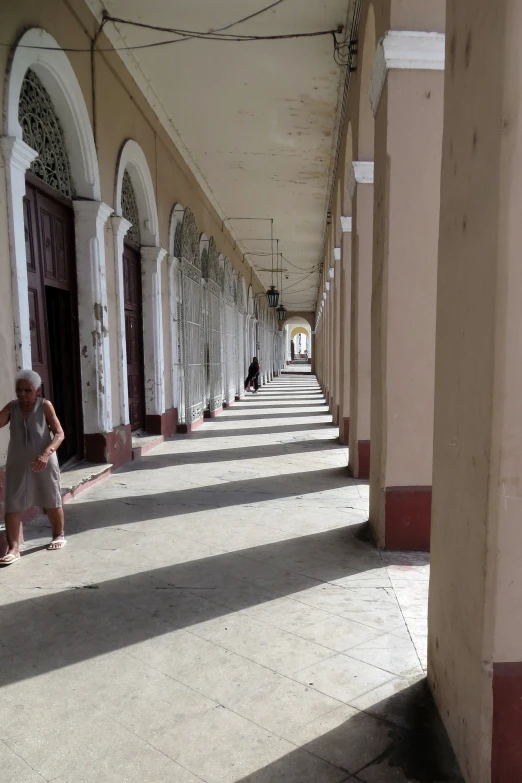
(219, 616)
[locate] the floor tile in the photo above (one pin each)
(342, 677)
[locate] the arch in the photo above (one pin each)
(38, 50)
(132, 159)
(366, 129)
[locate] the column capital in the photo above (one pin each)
(361, 173)
(405, 50)
(17, 153)
(345, 224)
(91, 211)
(154, 255)
(120, 226)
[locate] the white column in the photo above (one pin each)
(18, 156)
(151, 258)
(120, 226)
(172, 267)
(90, 219)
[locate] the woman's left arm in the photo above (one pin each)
(56, 428)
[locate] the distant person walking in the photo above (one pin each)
(253, 375)
(32, 471)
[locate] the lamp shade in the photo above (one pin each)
(281, 312)
(273, 296)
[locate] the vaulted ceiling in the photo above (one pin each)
(255, 120)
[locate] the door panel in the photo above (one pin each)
(134, 336)
(53, 310)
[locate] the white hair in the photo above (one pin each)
(30, 376)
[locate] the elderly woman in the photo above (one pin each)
(32, 472)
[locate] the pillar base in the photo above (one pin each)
(183, 429)
(114, 448)
(407, 518)
(506, 750)
(345, 430)
(212, 414)
(363, 462)
(162, 424)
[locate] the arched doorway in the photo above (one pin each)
(51, 262)
(133, 306)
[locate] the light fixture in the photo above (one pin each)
(273, 296)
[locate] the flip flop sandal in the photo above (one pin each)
(56, 544)
(9, 560)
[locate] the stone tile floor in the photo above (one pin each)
(220, 616)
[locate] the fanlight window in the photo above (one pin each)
(129, 208)
(42, 130)
(190, 239)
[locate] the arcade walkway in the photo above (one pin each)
(219, 615)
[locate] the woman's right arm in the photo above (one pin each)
(5, 415)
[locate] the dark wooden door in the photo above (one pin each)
(53, 308)
(134, 335)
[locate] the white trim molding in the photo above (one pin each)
(38, 50)
(361, 173)
(337, 253)
(120, 226)
(405, 50)
(132, 159)
(331, 272)
(18, 156)
(90, 218)
(345, 225)
(154, 361)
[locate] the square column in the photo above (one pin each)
(360, 185)
(345, 318)
(336, 300)
(475, 607)
(154, 363)
(406, 94)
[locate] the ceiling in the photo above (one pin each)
(257, 120)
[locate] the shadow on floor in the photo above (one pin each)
(246, 452)
(249, 492)
(283, 415)
(96, 619)
(415, 745)
(233, 431)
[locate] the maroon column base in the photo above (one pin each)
(212, 414)
(407, 518)
(162, 424)
(113, 447)
(506, 750)
(2, 493)
(346, 430)
(185, 428)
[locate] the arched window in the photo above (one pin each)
(129, 208)
(42, 131)
(190, 239)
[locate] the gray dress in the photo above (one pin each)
(24, 487)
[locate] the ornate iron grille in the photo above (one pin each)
(190, 239)
(129, 208)
(213, 347)
(213, 264)
(192, 344)
(42, 130)
(177, 239)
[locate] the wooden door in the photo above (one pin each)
(53, 308)
(134, 335)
